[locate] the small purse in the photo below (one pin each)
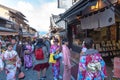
(56, 56)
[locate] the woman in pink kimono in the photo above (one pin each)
(12, 62)
(66, 61)
(55, 48)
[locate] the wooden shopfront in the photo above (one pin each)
(97, 20)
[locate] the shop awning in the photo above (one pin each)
(77, 8)
(8, 33)
(100, 19)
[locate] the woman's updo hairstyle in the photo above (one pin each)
(88, 42)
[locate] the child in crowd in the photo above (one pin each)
(12, 62)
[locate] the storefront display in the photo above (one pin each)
(78, 35)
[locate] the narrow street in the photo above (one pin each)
(32, 75)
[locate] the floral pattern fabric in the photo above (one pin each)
(85, 74)
(55, 66)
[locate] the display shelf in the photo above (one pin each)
(108, 48)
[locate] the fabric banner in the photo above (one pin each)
(90, 22)
(107, 18)
(101, 19)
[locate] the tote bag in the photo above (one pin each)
(51, 59)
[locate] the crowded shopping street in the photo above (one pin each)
(59, 39)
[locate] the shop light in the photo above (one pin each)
(98, 5)
(118, 1)
(78, 17)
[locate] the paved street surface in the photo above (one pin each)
(31, 74)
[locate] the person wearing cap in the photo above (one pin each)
(55, 48)
(66, 60)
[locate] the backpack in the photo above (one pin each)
(39, 55)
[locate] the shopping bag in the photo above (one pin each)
(51, 59)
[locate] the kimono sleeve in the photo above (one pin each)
(82, 68)
(103, 68)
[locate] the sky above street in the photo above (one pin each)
(37, 12)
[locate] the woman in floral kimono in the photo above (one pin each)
(66, 60)
(28, 56)
(12, 62)
(55, 48)
(91, 65)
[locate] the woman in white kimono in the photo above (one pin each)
(12, 62)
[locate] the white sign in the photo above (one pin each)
(65, 4)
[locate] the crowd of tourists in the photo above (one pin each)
(44, 52)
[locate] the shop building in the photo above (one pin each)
(18, 19)
(98, 19)
(57, 29)
(7, 27)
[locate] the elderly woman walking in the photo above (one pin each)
(66, 60)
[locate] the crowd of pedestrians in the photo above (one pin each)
(43, 52)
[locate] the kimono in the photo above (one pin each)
(12, 62)
(84, 71)
(66, 62)
(1, 64)
(28, 56)
(55, 66)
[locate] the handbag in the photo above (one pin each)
(57, 56)
(51, 59)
